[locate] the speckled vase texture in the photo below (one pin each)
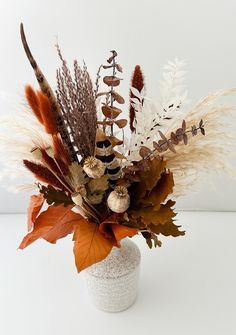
(113, 282)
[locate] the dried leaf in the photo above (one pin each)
(184, 125)
(144, 151)
(52, 224)
(119, 68)
(115, 231)
(111, 112)
(117, 97)
(157, 146)
(151, 239)
(35, 205)
(111, 81)
(99, 185)
(150, 215)
(168, 229)
(160, 191)
(163, 136)
(121, 123)
(115, 141)
(174, 138)
(194, 130)
(151, 174)
(101, 94)
(185, 138)
(55, 197)
(202, 131)
(179, 134)
(90, 245)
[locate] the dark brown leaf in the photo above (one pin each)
(55, 197)
(184, 125)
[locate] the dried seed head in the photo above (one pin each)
(36, 153)
(121, 191)
(119, 200)
(50, 152)
(93, 167)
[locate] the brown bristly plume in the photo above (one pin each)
(138, 83)
(76, 98)
(33, 101)
(49, 161)
(46, 89)
(43, 174)
(48, 117)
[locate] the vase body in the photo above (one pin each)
(113, 282)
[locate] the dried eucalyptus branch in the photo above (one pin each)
(164, 144)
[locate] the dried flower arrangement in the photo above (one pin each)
(96, 186)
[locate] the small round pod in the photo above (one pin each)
(93, 167)
(119, 200)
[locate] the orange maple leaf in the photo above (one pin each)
(115, 231)
(90, 245)
(35, 205)
(54, 223)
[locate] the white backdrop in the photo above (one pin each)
(146, 32)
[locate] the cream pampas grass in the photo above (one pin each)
(210, 152)
(20, 132)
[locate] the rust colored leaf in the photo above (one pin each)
(52, 224)
(90, 245)
(111, 112)
(35, 205)
(157, 146)
(114, 231)
(121, 123)
(117, 97)
(111, 81)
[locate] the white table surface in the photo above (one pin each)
(187, 287)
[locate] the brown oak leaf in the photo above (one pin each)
(149, 215)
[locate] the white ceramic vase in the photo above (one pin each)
(113, 282)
